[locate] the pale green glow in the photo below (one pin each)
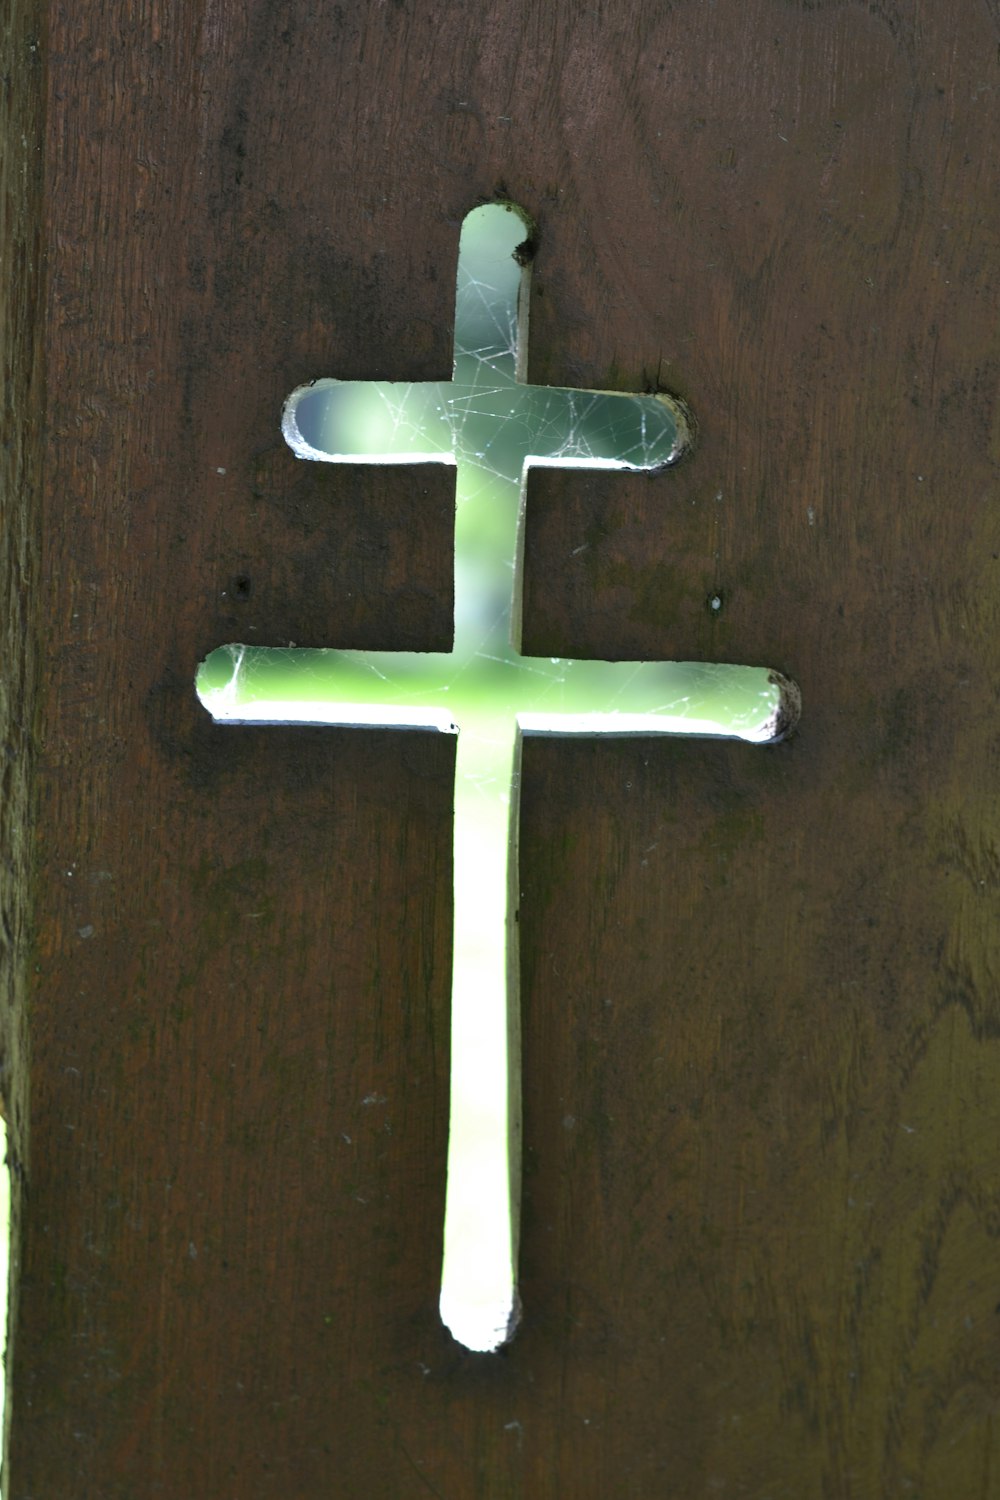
(491, 426)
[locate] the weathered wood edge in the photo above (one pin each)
(21, 339)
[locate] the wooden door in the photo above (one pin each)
(761, 1061)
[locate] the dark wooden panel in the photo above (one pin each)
(21, 417)
(761, 1210)
(761, 1213)
(239, 1123)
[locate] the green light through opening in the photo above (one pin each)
(492, 426)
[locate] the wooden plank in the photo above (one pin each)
(239, 1130)
(21, 416)
(761, 1210)
(760, 1005)
(235, 1167)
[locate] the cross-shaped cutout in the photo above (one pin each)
(492, 425)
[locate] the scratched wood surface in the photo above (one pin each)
(762, 1033)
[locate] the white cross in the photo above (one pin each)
(492, 425)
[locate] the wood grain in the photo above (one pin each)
(21, 418)
(761, 1064)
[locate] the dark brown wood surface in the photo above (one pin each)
(761, 1237)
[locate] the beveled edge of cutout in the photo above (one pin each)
(302, 448)
(788, 710)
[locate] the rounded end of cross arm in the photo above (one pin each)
(787, 709)
(305, 419)
(290, 427)
(685, 426)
